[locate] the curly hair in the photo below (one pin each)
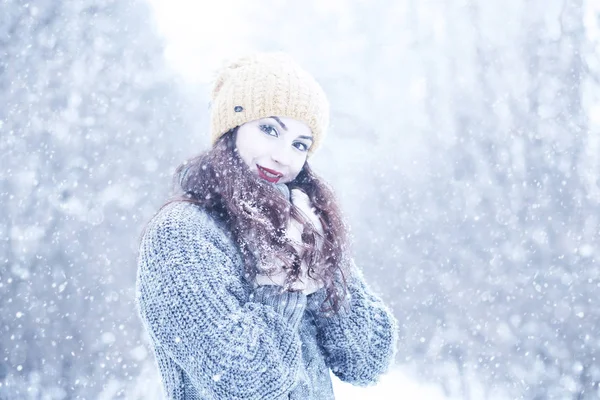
(257, 214)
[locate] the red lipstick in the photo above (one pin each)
(268, 174)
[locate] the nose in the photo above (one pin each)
(281, 155)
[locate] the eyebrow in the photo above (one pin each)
(285, 129)
(280, 123)
(306, 137)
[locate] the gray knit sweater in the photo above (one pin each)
(215, 337)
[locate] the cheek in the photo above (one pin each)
(297, 167)
(247, 149)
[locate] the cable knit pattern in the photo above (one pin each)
(215, 337)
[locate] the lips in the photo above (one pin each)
(269, 174)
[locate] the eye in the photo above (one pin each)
(269, 130)
(301, 146)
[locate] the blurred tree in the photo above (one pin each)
(496, 244)
(86, 138)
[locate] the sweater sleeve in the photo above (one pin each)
(359, 342)
(191, 299)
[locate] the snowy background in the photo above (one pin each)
(464, 148)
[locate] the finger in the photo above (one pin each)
(302, 201)
(277, 279)
(298, 196)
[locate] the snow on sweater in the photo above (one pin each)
(215, 337)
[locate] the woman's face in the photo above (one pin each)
(274, 148)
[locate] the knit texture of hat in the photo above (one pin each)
(263, 85)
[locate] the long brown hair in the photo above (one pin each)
(256, 213)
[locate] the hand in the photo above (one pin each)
(302, 202)
(294, 229)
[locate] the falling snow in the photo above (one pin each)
(464, 150)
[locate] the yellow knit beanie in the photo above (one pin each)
(264, 85)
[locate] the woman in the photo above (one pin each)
(244, 281)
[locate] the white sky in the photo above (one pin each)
(200, 35)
